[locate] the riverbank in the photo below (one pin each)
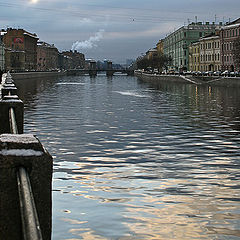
(198, 80)
(27, 75)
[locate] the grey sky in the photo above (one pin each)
(128, 27)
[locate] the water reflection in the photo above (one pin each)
(139, 161)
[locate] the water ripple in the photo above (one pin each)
(162, 159)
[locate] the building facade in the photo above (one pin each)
(194, 57)
(20, 49)
(78, 59)
(47, 57)
(228, 35)
(176, 44)
(2, 57)
(159, 46)
(151, 53)
(210, 53)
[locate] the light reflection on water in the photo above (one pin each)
(135, 161)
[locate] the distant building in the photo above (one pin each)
(151, 53)
(159, 46)
(47, 56)
(229, 33)
(210, 53)
(20, 49)
(176, 44)
(194, 57)
(2, 57)
(64, 62)
(78, 59)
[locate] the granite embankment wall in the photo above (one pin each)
(25, 173)
(25, 75)
(212, 80)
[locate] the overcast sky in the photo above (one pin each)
(110, 29)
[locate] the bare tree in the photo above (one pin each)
(160, 62)
(142, 63)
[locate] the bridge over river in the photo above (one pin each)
(94, 72)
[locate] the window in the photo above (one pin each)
(200, 34)
(218, 57)
(185, 34)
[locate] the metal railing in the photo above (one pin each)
(30, 224)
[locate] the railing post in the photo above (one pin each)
(7, 102)
(8, 87)
(24, 151)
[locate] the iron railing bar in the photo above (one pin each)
(12, 121)
(30, 222)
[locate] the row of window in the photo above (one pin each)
(205, 68)
(231, 33)
(179, 36)
(228, 46)
(210, 45)
(210, 57)
(210, 68)
(227, 58)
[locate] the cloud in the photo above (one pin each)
(90, 43)
(158, 31)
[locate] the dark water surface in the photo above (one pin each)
(135, 161)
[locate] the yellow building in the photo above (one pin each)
(151, 53)
(194, 57)
(160, 46)
(210, 53)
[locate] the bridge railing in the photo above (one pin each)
(25, 174)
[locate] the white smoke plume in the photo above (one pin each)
(90, 43)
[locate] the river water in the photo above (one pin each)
(138, 161)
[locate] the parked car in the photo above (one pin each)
(217, 73)
(170, 72)
(237, 74)
(225, 73)
(209, 73)
(205, 73)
